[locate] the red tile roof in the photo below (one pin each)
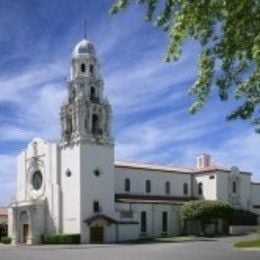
(3, 211)
(171, 169)
(154, 167)
(215, 168)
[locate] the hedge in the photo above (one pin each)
(61, 239)
(6, 240)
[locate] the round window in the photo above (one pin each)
(37, 180)
(68, 173)
(97, 172)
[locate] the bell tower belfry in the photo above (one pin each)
(86, 116)
(86, 146)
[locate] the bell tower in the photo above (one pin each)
(86, 115)
(86, 146)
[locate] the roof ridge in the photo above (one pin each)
(169, 168)
(152, 166)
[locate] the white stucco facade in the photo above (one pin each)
(75, 186)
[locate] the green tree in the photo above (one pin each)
(205, 211)
(229, 34)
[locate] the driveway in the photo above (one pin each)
(202, 249)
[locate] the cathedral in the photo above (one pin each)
(75, 186)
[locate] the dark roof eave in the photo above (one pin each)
(100, 216)
(136, 198)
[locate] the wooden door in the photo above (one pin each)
(25, 232)
(97, 234)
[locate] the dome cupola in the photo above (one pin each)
(84, 48)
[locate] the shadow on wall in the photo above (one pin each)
(3, 230)
(50, 226)
(212, 228)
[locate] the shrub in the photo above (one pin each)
(61, 238)
(243, 218)
(6, 240)
(206, 213)
(205, 210)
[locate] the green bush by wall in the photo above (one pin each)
(6, 240)
(61, 239)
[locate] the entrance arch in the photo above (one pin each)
(97, 227)
(24, 227)
(96, 234)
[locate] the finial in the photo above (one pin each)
(85, 29)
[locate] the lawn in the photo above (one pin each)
(249, 243)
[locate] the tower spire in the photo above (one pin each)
(85, 29)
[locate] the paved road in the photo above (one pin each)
(210, 249)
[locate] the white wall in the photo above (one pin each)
(154, 218)
(240, 199)
(128, 232)
(245, 193)
(48, 163)
(256, 199)
(222, 186)
(158, 179)
(96, 188)
(70, 189)
(255, 193)
(209, 186)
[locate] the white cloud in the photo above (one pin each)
(158, 133)
(36, 99)
(170, 139)
(7, 178)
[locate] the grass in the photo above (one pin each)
(248, 244)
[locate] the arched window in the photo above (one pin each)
(234, 187)
(69, 125)
(200, 188)
(127, 185)
(86, 123)
(92, 93)
(167, 187)
(83, 67)
(24, 217)
(148, 186)
(95, 123)
(91, 68)
(185, 188)
(73, 93)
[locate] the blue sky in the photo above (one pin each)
(151, 122)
